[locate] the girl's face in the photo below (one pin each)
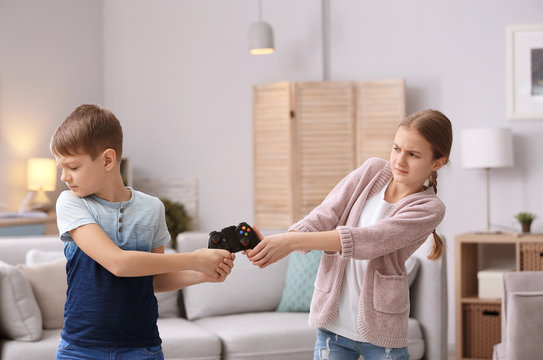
(412, 158)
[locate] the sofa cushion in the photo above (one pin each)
(247, 289)
(48, 281)
(182, 339)
(20, 317)
(415, 340)
(301, 274)
(45, 349)
(263, 336)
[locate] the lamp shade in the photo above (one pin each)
(261, 38)
(487, 148)
(41, 174)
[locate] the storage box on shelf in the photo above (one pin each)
(478, 320)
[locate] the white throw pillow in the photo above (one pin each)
(48, 281)
(37, 256)
(20, 317)
(247, 289)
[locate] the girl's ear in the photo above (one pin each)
(438, 164)
(110, 159)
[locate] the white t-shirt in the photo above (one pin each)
(375, 208)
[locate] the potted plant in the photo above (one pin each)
(525, 219)
(177, 219)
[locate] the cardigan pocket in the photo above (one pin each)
(325, 274)
(390, 293)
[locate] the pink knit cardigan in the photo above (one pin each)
(383, 309)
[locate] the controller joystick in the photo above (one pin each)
(234, 238)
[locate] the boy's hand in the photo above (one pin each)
(223, 270)
(209, 261)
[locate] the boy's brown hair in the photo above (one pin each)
(89, 129)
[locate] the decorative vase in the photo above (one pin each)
(526, 227)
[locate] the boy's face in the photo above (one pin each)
(81, 174)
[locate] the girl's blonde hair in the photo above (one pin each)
(436, 128)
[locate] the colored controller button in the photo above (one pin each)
(246, 234)
(241, 231)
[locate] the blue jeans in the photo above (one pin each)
(68, 351)
(331, 346)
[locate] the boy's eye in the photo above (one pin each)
(395, 148)
(414, 155)
(74, 168)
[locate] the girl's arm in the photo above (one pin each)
(95, 243)
(275, 247)
(408, 226)
(332, 210)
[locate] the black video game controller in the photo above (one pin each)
(234, 238)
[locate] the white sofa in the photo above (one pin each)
(235, 319)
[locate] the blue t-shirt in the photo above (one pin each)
(103, 310)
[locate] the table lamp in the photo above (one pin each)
(487, 148)
(41, 177)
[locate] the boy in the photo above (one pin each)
(114, 241)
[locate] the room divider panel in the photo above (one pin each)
(309, 135)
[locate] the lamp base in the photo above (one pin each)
(39, 202)
(41, 207)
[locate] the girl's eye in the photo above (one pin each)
(74, 168)
(395, 148)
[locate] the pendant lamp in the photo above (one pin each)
(261, 36)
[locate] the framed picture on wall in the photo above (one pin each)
(525, 72)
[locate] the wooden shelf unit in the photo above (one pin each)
(479, 251)
(22, 226)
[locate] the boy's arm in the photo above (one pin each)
(181, 279)
(95, 243)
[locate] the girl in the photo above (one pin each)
(367, 227)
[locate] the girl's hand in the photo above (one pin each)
(270, 249)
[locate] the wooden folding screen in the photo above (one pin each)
(309, 135)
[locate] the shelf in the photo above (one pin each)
(27, 226)
(478, 326)
(477, 300)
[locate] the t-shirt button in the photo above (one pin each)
(120, 220)
(120, 229)
(122, 210)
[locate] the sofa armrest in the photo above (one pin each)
(428, 296)
(523, 336)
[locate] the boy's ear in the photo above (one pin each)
(110, 158)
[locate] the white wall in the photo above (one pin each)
(178, 75)
(50, 62)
